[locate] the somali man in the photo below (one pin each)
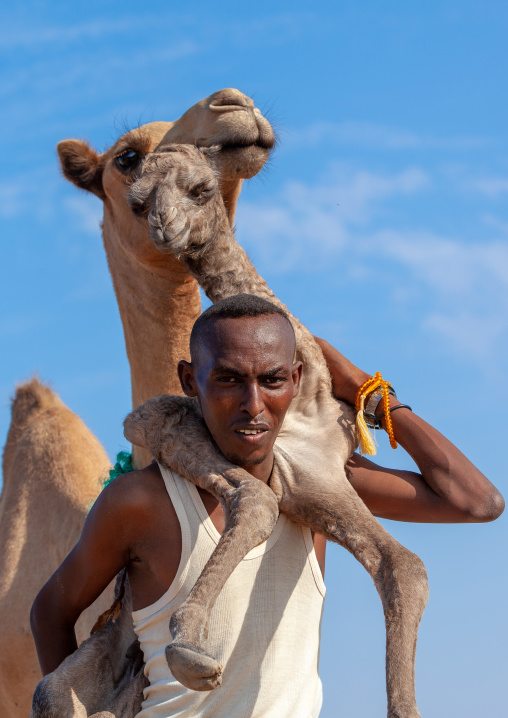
(164, 529)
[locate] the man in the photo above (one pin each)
(163, 529)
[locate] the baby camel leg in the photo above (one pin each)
(172, 428)
(399, 575)
(252, 512)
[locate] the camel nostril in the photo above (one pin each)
(169, 217)
(153, 220)
(162, 218)
(230, 100)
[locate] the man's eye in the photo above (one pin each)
(274, 379)
(227, 379)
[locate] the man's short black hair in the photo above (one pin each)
(235, 307)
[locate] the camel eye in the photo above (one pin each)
(128, 160)
(202, 191)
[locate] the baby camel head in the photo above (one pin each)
(178, 192)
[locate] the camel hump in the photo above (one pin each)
(31, 398)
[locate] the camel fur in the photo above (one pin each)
(179, 192)
(113, 655)
(52, 462)
(157, 298)
(51, 469)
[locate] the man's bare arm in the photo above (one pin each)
(102, 551)
(449, 489)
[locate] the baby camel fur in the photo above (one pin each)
(179, 192)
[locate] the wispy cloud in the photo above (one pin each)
(86, 212)
(501, 226)
(206, 26)
(464, 288)
(22, 324)
(29, 193)
(320, 217)
(45, 77)
(451, 266)
(11, 200)
(41, 194)
(91, 381)
(19, 37)
(457, 289)
(467, 334)
(489, 186)
(371, 135)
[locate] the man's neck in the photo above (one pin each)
(262, 471)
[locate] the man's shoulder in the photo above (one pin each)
(137, 492)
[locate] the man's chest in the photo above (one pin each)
(156, 555)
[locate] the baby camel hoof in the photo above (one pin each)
(193, 667)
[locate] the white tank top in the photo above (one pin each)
(264, 628)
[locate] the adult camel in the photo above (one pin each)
(158, 299)
(52, 463)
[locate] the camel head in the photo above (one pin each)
(227, 118)
(178, 191)
(157, 297)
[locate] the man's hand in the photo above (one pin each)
(449, 488)
(346, 377)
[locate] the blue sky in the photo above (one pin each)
(381, 221)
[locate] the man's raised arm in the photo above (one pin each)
(449, 488)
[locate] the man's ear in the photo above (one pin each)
(296, 372)
(82, 166)
(187, 378)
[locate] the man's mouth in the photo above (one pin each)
(252, 433)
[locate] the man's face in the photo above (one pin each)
(245, 379)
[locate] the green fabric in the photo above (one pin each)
(123, 466)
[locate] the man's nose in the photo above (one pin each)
(252, 400)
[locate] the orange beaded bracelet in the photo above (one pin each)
(366, 444)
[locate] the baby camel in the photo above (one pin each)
(178, 192)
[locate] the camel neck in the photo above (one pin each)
(223, 269)
(158, 303)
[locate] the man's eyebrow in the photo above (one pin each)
(280, 370)
(224, 369)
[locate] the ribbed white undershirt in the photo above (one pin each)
(264, 628)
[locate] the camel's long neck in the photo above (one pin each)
(158, 306)
(158, 302)
(223, 269)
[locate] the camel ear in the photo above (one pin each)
(134, 427)
(212, 154)
(82, 166)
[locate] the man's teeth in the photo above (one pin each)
(250, 431)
